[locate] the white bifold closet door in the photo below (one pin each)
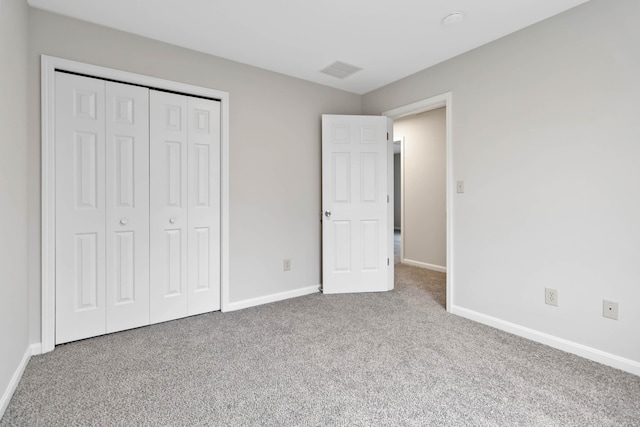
(137, 206)
(185, 206)
(102, 207)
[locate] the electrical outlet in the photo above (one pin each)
(460, 186)
(610, 309)
(551, 296)
(286, 264)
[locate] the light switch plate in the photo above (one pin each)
(460, 186)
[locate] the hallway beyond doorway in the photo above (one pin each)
(396, 246)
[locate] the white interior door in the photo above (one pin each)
(357, 187)
(204, 205)
(168, 204)
(80, 207)
(127, 206)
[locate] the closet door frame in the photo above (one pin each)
(49, 66)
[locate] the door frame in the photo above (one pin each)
(49, 65)
(401, 141)
(428, 104)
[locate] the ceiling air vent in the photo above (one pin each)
(340, 70)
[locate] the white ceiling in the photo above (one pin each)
(388, 39)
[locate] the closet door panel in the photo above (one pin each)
(80, 208)
(168, 206)
(127, 205)
(204, 205)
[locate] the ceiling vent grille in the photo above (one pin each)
(340, 70)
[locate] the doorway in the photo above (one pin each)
(422, 211)
(447, 260)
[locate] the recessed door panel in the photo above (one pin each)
(86, 166)
(124, 171)
(173, 115)
(127, 205)
(368, 135)
(340, 133)
(174, 174)
(203, 259)
(341, 177)
(174, 263)
(85, 103)
(80, 208)
(369, 236)
(342, 238)
(369, 177)
(124, 278)
(123, 108)
(202, 175)
(201, 121)
(86, 283)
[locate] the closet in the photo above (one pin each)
(137, 207)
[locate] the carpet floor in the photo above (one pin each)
(382, 359)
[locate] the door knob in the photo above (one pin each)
(123, 221)
(327, 214)
(172, 220)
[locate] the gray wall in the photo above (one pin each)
(274, 156)
(14, 309)
(425, 221)
(546, 136)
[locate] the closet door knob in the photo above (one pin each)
(172, 220)
(123, 221)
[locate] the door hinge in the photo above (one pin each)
(387, 261)
(387, 136)
(387, 198)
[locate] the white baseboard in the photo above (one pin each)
(590, 353)
(433, 267)
(273, 298)
(15, 379)
(36, 349)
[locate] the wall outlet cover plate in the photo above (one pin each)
(610, 309)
